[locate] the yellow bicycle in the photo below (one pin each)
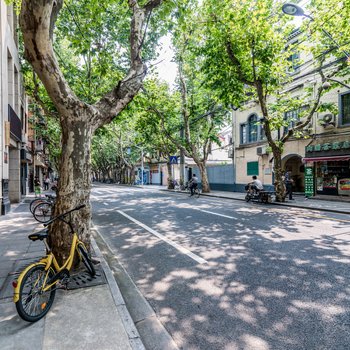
(35, 288)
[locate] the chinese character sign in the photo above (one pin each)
(309, 182)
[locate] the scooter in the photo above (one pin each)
(258, 196)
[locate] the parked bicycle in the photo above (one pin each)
(48, 198)
(43, 211)
(35, 288)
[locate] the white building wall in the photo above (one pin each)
(11, 92)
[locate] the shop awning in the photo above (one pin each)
(321, 159)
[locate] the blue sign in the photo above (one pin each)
(173, 160)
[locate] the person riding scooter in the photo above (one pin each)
(255, 186)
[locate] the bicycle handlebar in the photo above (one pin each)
(64, 214)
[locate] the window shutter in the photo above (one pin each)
(253, 168)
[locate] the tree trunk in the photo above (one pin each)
(170, 176)
(204, 176)
(74, 186)
(279, 183)
(78, 119)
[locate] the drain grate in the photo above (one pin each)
(82, 279)
(78, 279)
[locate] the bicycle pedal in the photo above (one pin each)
(63, 283)
(95, 261)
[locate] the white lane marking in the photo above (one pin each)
(173, 244)
(211, 212)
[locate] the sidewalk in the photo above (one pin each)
(92, 317)
(336, 206)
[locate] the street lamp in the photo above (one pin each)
(295, 10)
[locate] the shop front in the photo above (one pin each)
(330, 164)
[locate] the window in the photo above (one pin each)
(253, 168)
(291, 117)
(262, 135)
(294, 63)
(294, 59)
(345, 109)
(253, 128)
(243, 133)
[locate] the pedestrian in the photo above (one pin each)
(288, 181)
(193, 183)
(37, 187)
(46, 183)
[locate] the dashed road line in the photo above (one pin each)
(165, 239)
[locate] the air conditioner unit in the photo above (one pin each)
(327, 120)
(260, 151)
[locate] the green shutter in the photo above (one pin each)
(253, 168)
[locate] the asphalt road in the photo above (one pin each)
(223, 274)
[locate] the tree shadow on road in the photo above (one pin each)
(270, 283)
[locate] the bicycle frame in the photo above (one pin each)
(48, 261)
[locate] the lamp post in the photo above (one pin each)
(295, 10)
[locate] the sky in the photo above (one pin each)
(166, 69)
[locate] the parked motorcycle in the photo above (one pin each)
(258, 196)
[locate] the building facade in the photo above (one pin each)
(14, 156)
(319, 162)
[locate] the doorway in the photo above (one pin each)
(294, 164)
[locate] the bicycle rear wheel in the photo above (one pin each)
(197, 192)
(33, 303)
(85, 258)
(42, 212)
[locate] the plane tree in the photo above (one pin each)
(246, 53)
(81, 112)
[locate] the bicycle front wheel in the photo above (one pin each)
(85, 258)
(34, 303)
(34, 203)
(42, 212)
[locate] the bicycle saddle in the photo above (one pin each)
(39, 235)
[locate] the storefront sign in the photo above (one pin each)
(328, 146)
(309, 182)
(344, 187)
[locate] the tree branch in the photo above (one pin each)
(115, 101)
(37, 21)
(237, 64)
(315, 104)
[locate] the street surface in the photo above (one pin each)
(225, 274)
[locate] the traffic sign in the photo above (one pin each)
(173, 160)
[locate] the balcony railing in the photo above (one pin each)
(15, 125)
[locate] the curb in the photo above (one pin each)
(130, 328)
(273, 203)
